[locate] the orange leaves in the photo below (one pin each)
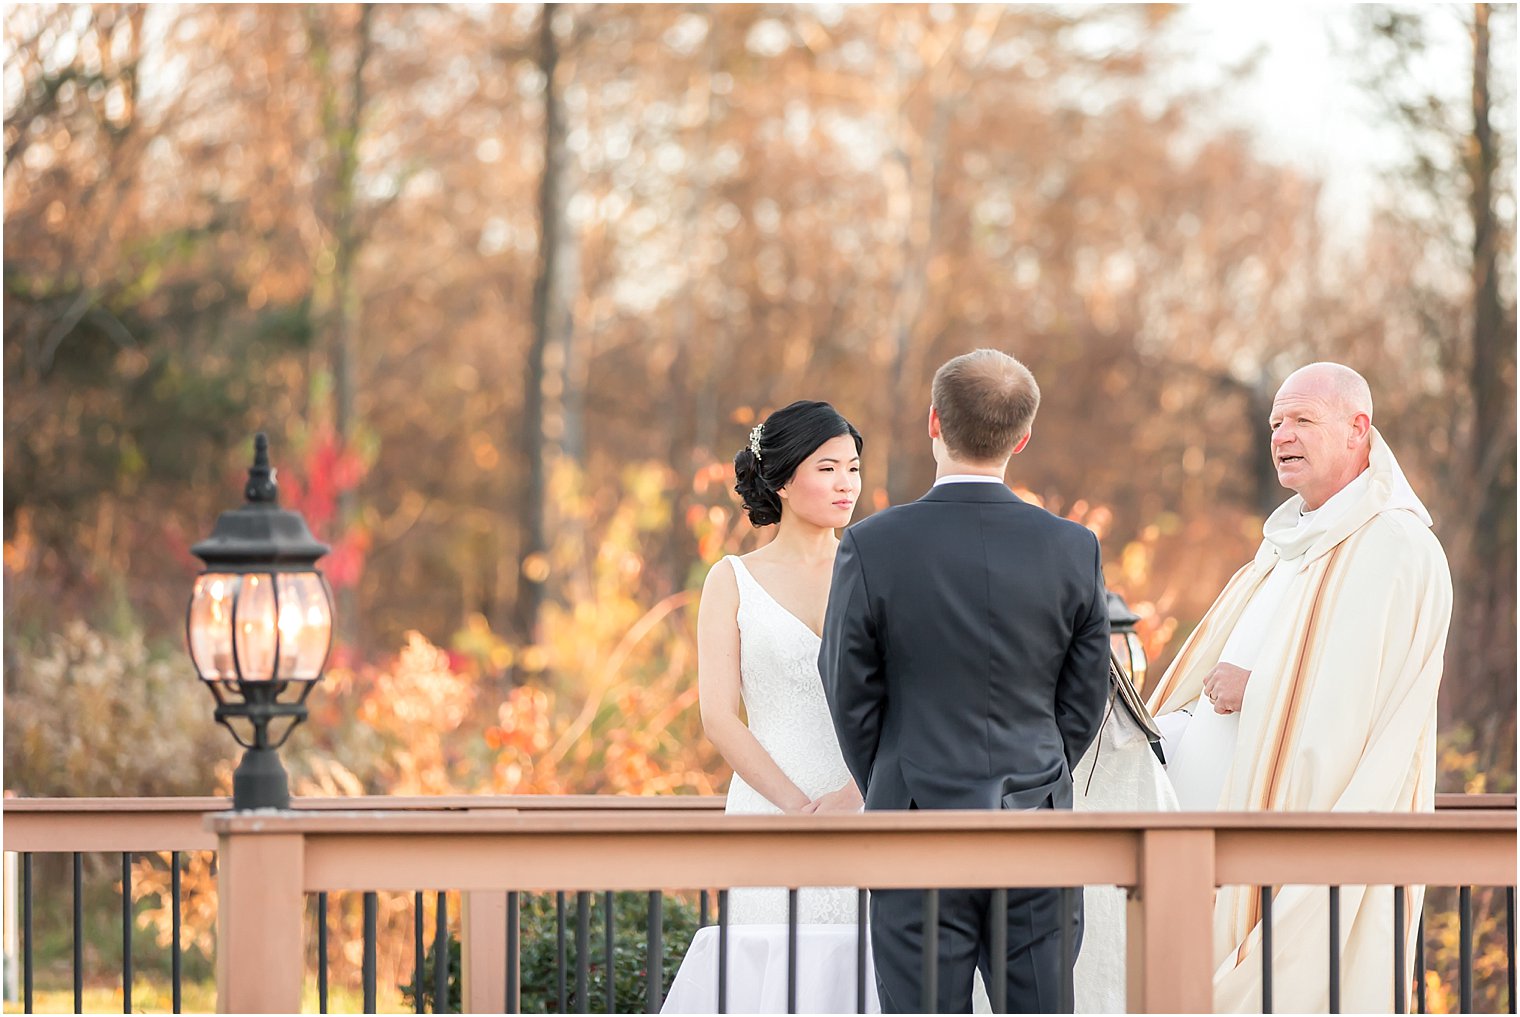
(524, 730)
(525, 722)
(406, 732)
(419, 688)
(151, 882)
(714, 475)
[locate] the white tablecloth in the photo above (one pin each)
(826, 980)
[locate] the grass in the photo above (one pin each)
(151, 992)
(147, 997)
(196, 997)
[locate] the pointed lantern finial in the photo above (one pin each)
(261, 489)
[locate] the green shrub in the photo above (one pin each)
(540, 985)
(429, 997)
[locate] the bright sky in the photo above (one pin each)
(1303, 102)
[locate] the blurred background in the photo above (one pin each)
(508, 285)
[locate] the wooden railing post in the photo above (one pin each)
(483, 951)
(1170, 936)
(260, 953)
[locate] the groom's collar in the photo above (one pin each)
(967, 478)
(971, 491)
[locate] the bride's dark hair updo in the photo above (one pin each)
(785, 441)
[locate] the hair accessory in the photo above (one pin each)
(754, 440)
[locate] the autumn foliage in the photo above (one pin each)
(507, 286)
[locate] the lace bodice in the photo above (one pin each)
(789, 716)
(783, 694)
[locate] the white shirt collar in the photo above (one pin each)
(1352, 491)
(967, 478)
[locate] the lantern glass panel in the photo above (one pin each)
(211, 625)
(305, 625)
(1137, 661)
(255, 621)
(1120, 649)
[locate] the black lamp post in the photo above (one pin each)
(260, 628)
(1124, 642)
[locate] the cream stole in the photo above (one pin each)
(1347, 724)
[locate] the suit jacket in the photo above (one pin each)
(965, 651)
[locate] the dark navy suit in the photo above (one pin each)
(965, 660)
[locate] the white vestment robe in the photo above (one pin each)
(1339, 715)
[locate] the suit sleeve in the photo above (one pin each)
(1082, 690)
(850, 663)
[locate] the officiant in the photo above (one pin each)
(1311, 685)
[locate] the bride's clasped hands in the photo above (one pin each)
(846, 799)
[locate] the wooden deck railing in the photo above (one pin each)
(486, 847)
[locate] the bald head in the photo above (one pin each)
(1321, 430)
(1335, 382)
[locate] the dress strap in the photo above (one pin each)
(742, 576)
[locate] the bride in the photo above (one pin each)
(758, 628)
(758, 635)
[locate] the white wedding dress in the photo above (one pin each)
(1118, 773)
(789, 715)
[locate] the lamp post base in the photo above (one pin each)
(259, 782)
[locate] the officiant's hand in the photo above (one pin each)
(846, 799)
(1225, 687)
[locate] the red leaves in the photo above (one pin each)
(324, 471)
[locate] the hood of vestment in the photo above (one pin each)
(1381, 487)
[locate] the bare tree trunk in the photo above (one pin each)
(907, 461)
(1485, 604)
(345, 324)
(1269, 493)
(338, 297)
(346, 251)
(711, 336)
(533, 563)
(695, 383)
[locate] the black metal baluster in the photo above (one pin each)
(176, 955)
(322, 951)
(723, 951)
(441, 958)
(1400, 960)
(419, 951)
(791, 950)
(26, 931)
(126, 932)
(559, 950)
(997, 992)
(371, 934)
(1266, 949)
(608, 903)
(1419, 963)
(1335, 949)
(1509, 941)
(514, 954)
(702, 911)
(582, 952)
(929, 951)
(1068, 949)
(1464, 940)
(78, 933)
(654, 959)
(862, 905)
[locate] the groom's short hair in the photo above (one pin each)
(986, 401)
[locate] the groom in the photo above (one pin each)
(965, 660)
